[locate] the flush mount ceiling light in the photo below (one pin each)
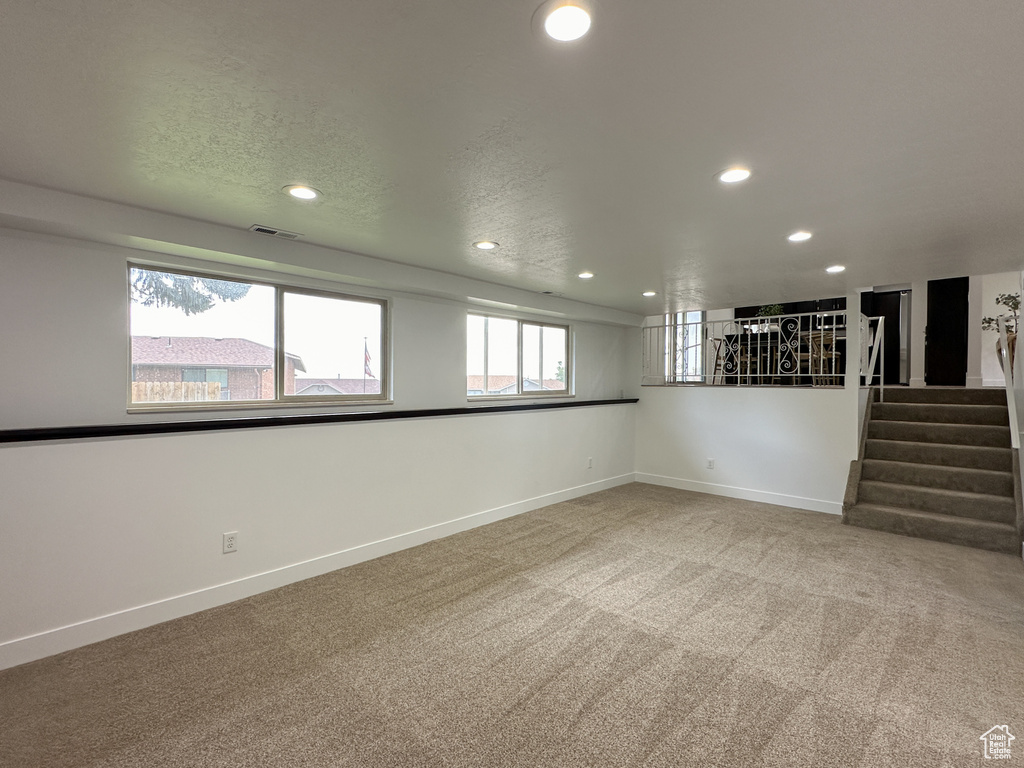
(585, 275)
(563, 20)
(835, 270)
(799, 237)
(485, 245)
(302, 192)
(734, 175)
(648, 294)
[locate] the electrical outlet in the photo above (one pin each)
(230, 542)
(590, 462)
(711, 463)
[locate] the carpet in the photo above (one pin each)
(639, 626)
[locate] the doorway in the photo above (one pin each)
(945, 339)
(894, 306)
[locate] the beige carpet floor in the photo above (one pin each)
(640, 626)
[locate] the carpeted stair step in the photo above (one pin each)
(932, 476)
(982, 534)
(941, 413)
(970, 456)
(938, 465)
(953, 434)
(980, 506)
(964, 395)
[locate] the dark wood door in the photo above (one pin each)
(945, 351)
(887, 305)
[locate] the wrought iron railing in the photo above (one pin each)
(807, 349)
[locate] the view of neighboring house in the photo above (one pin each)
(338, 386)
(506, 385)
(243, 369)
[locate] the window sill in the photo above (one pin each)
(252, 405)
(292, 420)
(517, 398)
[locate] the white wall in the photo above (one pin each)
(918, 324)
(992, 286)
(975, 312)
(783, 445)
(98, 537)
(104, 536)
(787, 446)
(64, 305)
(1016, 404)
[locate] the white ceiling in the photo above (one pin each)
(893, 131)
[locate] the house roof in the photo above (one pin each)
(499, 383)
(305, 386)
(203, 351)
(550, 383)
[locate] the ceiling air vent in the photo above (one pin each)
(274, 232)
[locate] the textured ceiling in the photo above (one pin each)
(891, 130)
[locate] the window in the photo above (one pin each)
(685, 353)
(674, 347)
(346, 359)
(201, 338)
(515, 357)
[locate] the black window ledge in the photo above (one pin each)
(258, 422)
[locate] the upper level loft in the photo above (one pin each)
(795, 344)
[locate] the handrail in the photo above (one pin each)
(877, 344)
(1011, 399)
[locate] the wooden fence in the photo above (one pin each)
(174, 391)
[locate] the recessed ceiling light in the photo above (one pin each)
(565, 20)
(302, 192)
(799, 237)
(648, 294)
(836, 269)
(586, 275)
(485, 245)
(733, 175)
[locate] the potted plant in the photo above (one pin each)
(1012, 302)
(769, 310)
(765, 313)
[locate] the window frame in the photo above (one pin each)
(677, 351)
(279, 351)
(520, 394)
(280, 399)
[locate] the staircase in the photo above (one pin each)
(937, 464)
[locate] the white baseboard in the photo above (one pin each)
(748, 494)
(916, 382)
(973, 382)
(993, 383)
(25, 649)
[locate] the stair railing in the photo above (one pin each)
(1011, 398)
(872, 346)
